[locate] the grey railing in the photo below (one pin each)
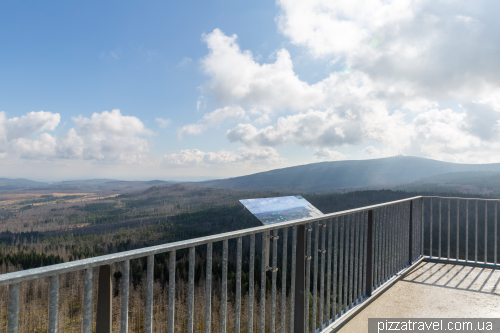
(340, 260)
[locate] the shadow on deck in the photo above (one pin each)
(435, 290)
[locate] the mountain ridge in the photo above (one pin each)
(325, 176)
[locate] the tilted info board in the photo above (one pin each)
(281, 209)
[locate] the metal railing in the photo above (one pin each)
(353, 254)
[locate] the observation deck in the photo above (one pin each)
(417, 257)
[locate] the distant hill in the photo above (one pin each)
(11, 184)
(89, 185)
(347, 174)
(468, 181)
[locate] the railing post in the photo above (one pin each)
(410, 235)
(54, 304)
(300, 286)
(103, 322)
(13, 317)
(369, 255)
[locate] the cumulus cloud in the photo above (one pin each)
(431, 47)
(457, 136)
(325, 154)
(27, 125)
(330, 128)
(213, 118)
(195, 157)
(396, 67)
(370, 151)
(237, 78)
(104, 136)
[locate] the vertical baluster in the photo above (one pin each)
(190, 289)
(308, 277)
(404, 234)
(208, 288)
(397, 238)
(458, 231)
(422, 230)
(237, 314)
(351, 261)
(274, 278)
(439, 233)
(13, 316)
(449, 229)
(389, 225)
(315, 276)
(376, 249)
(386, 241)
(125, 296)
(87, 302)
(476, 235)
(363, 261)
(54, 304)
(390, 240)
(283, 280)
(431, 232)
(171, 292)
(346, 264)
(149, 294)
(369, 254)
(223, 311)
(380, 218)
(413, 214)
(341, 267)
(322, 274)
(335, 265)
(495, 235)
(251, 283)
(328, 272)
(485, 232)
(356, 255)
(466, 230)
(292, 282)
(381, 228)
(263, 284)
(404, 238)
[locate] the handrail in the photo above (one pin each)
(36, 273)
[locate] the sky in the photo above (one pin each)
(192, 90)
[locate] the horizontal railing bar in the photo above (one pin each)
(462, 262)
(455, 198)
(36, 273)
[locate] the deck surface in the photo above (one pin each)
(434, 290)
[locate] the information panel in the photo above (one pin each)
(281, 209)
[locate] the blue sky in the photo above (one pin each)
(211, 89)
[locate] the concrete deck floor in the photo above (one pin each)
(434, 290)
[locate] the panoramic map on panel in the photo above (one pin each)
(280, 209)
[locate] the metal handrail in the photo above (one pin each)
(358, 251)
(36, 273)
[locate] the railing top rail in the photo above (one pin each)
(457, 198)
(36, 273)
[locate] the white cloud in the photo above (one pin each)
(195, 157)
(27, 125)
(325, 154)
(333, 127)
(104, 136)
(457, 136)
(163, 123)
(237, 78)
(370, 151)
(215, 117)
